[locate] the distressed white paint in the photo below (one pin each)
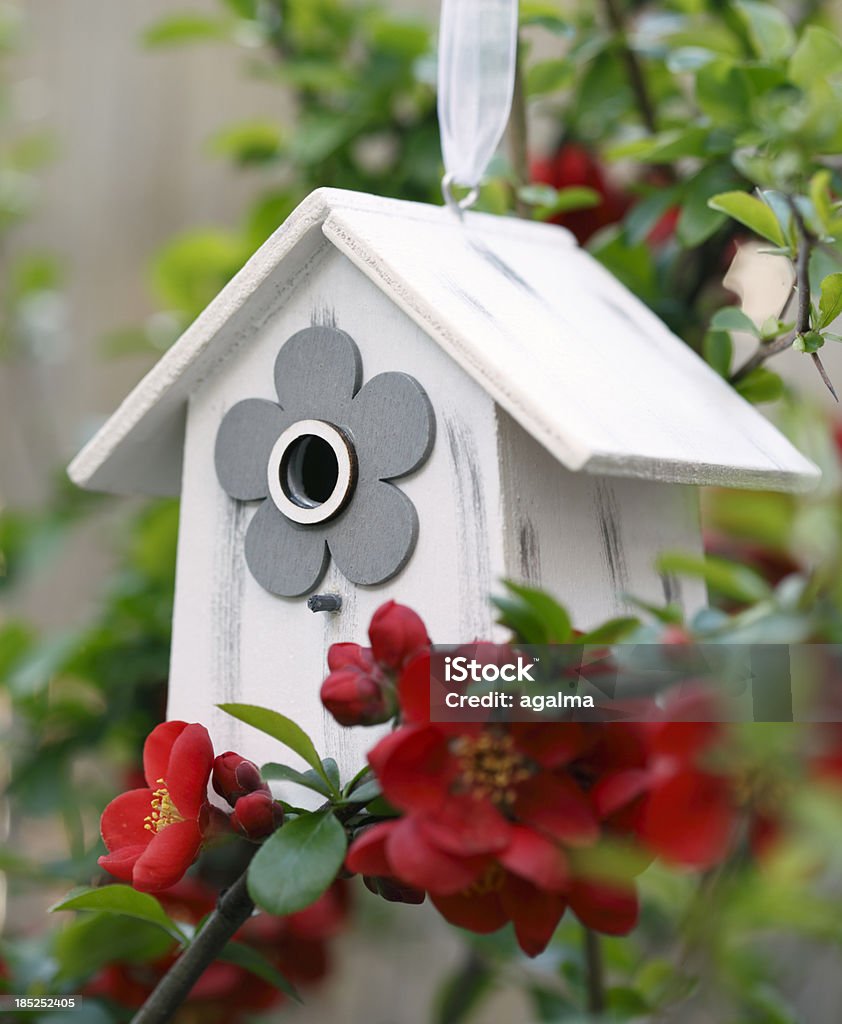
(568, 352)
(533, 358)
(486, 479)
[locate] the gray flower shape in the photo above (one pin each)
(321, 459)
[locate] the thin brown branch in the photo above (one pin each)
(634, 69)
(518, 139)
(806, 243)
(234, 908)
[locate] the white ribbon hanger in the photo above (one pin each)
(476, 78)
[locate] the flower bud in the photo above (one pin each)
(396, 633)
(393, 891)
(257, 815)
(234, 776)
(340, 655)
(356, 697)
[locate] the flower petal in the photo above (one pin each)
(188, 771)
(156, 751)
(121, 863)
(373, 538)
(393, 426)
(317, 373)
(537, 859)
(284, 558)
(606, 907)
(168, 856)
(420, 864)
(689, 819)
(415, 768)
(477, 912)
(123, 820)
(534, 913)
(557, 807)
(244, 442)
(367, 855)
(466, 827)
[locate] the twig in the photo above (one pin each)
(803, 326)
(234, 908)
(637, 79)
(802, 276)
(518, 138)
(594, 974)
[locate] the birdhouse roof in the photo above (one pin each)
(581, 363)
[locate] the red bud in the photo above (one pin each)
(396, 633)
(257, 815)
(234, 776)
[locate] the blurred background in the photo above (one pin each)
(147, 149)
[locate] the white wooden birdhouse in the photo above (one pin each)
(389, 401)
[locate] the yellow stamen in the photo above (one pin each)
(164, 811)
(490, 767)
(491, 881)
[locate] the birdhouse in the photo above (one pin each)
(391, 401)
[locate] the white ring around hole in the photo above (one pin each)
(346, 477)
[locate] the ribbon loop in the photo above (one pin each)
(476, 76)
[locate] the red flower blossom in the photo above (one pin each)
(573, 164)
(360, 689)
(153, 835)
(491, 815)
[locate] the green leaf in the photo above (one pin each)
(752, 212)
(364, 793)
(718, 351)
(297, 863)
(281, 728)
(543, 13)
(331, 770)
(697, 221)
(250, 960)
(121, 899)
(771, 33)
(178, 29)
(612, 632)
(545, 610)
(549, 202)
(731, 318)
(830, 303)
(728, 578)
(810, 342)
(251, 142)
(283, 773)
(818, 55)
(549, 76)
(761, 385)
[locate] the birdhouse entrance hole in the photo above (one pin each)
(312, 471)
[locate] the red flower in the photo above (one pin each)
(490, 814)
(574, 164)
(360, 689)
(396, 634)
(357, 696)
(256, 815)
(235, 776)
(153, 835)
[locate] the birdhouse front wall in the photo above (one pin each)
(490, 502)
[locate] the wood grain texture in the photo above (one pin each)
(552, 337)
(229, 633)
